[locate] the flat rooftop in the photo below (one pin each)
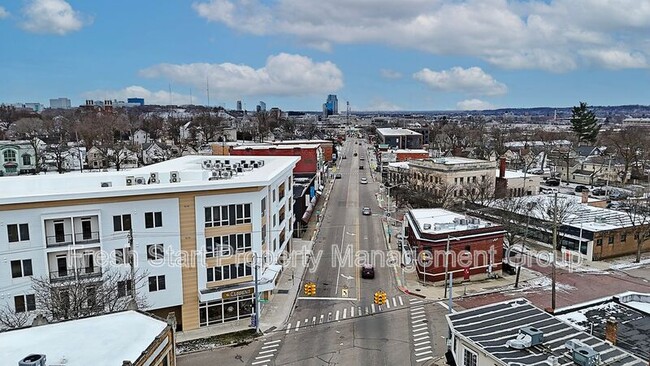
(104, 340)
(397, 132)
(490, 326)
(309, 142)
(277, 147)
(516, 174)
(439, 221)
(190, 169)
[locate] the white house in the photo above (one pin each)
(198, 226)
(140, 137)
(153, 152)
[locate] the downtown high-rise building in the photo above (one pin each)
(331, 106)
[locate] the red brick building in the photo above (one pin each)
(310, 155)
(410, 154)
(475, 245)
(326, 145)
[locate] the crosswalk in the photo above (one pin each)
(420, 334)
(344, 313)
(266, 353)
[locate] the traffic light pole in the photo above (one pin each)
(257, 297)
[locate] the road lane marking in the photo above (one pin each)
(338, 275)
(288, 328)
(272, 342)
(401, 303)
(297, 325)
(345, 313)
(422, 353)
(337, 316)
(422, 348)
(351, 311)
(420, 339)
(373, 308)
(424, 359)
(321, 318)
(421, 343)
(420, 334)
(395, 302)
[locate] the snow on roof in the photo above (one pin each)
(57, 187)
(400, 164)
(278, 147)
(437, 221)
(397, 132)
(100, 340)
(291, 142)
(411, 151)
(516, 174)
(453, 160)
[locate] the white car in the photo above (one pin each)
(364, 180)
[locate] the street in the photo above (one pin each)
(340, 324)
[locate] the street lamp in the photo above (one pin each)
(449, 236)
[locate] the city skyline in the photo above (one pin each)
(416, 55)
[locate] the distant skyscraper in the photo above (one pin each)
(239, 106)
(331, 106)
(261, 107)
(60, 103)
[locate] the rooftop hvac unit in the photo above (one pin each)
(130, 180)
(140, 180)
(107, 184)
(536, 335)
(255, 166)
(174, 177)
(252, 162)
(226, 174)
(462, 222)
(236, 165)
(218, 166)
(260, 163)
(240, 170)
(227, 162)
(247, 167)
(207, 164)
(242, 162)
(154, 178)
(586, 356)
(215, 174)
(426, 226)
(33, 360)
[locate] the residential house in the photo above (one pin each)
(17, 157)
(153, 152)
(140, 137)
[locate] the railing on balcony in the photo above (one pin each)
(88, 237)
(58, 240)
(71, 273)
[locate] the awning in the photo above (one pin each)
(270, 273)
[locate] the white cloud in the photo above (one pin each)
(52, 16)
(3, 13)
(282, 75)
(382, 106)
(472, 80)
(616, 59)
(160, 97)
(390, 74)
(533, 34)
(474, 105)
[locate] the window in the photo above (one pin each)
(152, 220)
(274, 195)
(469, 358)
(122, 222)
(274, 220)
(155, 252)
(17, 232)
(228, 272)
(156, 283)
(27, 160)
(124, 288)
(164, 361)
(23, 303)
(9, 155)
(228, 215)
(610, 240)
(122, 255)
(623, 237)
(599, 242)
(228, 245)
(281, 191)
(21, 268)
(263, 206)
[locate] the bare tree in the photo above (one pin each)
(479, 192)
(11, 319)
(639, 215)
(628, 143)
(552, 214)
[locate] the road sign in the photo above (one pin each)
(262, 301)
(344, 292)
(237, 293)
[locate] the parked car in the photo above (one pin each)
(338, 176)
(553, 182)
(355, 154)
(546, 190)
(362, 158)
(368, 271)
(537, 171)
(580, 188)
(366, 211)
(599, 192)
(343, 157)
(360, 167)
(364, 180)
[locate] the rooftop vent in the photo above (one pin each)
(527, 337)
(33, 360)
(426, 226)
(107, 184)
(586, 356)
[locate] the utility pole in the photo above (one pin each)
(132, 264)
(554, 250)
(446, 264)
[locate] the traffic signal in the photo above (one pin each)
(380, 297)
(310, 289)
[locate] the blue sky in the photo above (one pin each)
(376, 54)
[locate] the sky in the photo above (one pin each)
(378, 55)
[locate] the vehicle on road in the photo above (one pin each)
(360, 167)
(338, 175)
(343, 157)
(580, 188)
(368, 271)
(366, 211)
(599, 192)
(362, 158)
(355, 154)
(364, 180)
(546, 190)
(553, 182)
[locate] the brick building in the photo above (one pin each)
(326, 145)
(475, 245)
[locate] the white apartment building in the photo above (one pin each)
(197, 224)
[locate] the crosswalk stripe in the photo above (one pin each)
(424, 359)
(345, 313)
(373, 308)
(421, 343)
(329, 316)
(418, 316)
(388, 304)
(288, 328)
(270, 346)
(401, 303)
(394, 302)
(260, 362)
(337, 316)
(418, 321)
(313, 320)
(268, 351)
(272, 342)
(306, 321)
(422, 348)
(417, 302)
(420, 339)
(321, 318)
(298, 325)
(419, 334)
(417, 327)
(351, 311)
(417, 308)
(379, 307)
(263, 356)
(422, 353)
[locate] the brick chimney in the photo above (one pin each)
(611, 329)
(502, 167)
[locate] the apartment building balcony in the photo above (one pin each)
(68, 274)
(66, 231)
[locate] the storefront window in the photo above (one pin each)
(219, 311)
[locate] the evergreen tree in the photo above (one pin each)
(584, 124)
